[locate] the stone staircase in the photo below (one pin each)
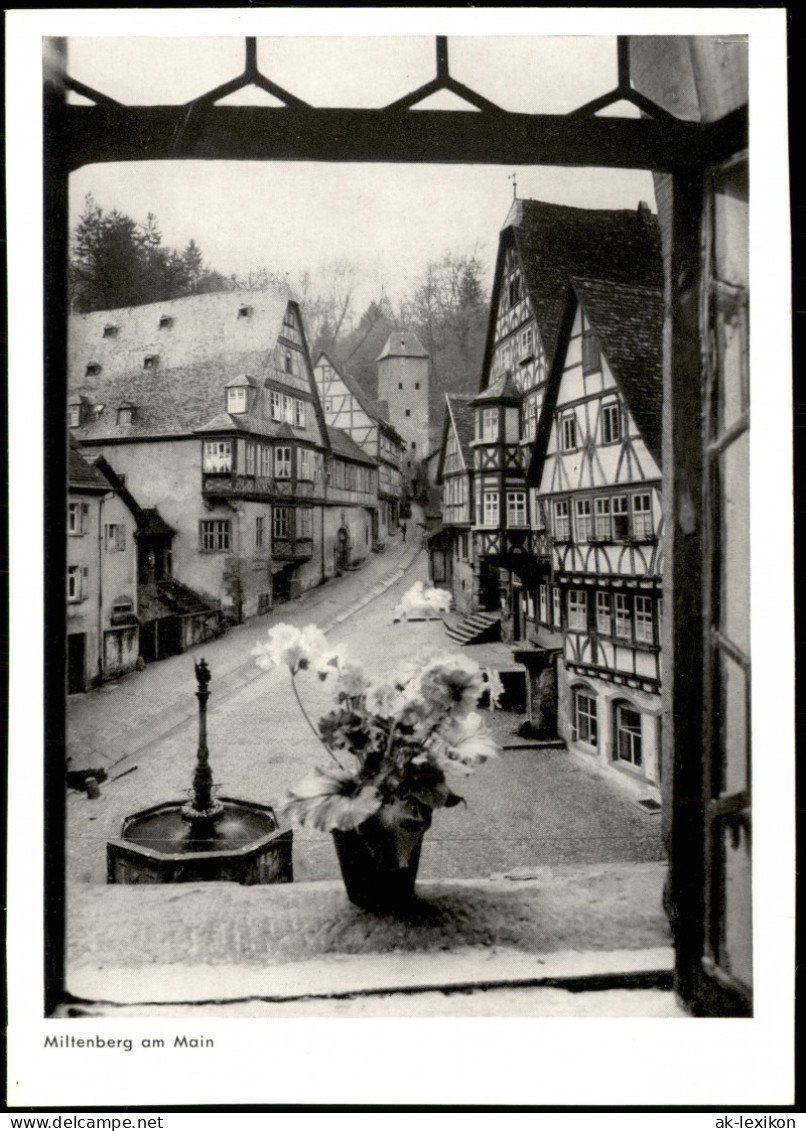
(180, 598)
(476, 628)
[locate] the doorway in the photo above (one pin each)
(76, 653)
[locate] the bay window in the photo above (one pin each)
(491, 508)
(282, 463)
(217, 456)
(584, 522)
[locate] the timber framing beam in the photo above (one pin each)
(83, 135)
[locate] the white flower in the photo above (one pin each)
(467, 740)
(290, 647)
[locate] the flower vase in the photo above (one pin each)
(379, 859)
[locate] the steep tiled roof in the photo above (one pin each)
(170, 401)
(202, 326)
(503, 389)
(403, 343)
(628, 321)
(556, 242)
(83, 474)
(463, 418)
(342, 445)
(207, 347)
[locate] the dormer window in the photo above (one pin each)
(244, 311)
(236, 399)
(166, 322)
(125, 414)
(74, 415)
(151, 361)
(488, 420)
(93, 369)
(110, 330)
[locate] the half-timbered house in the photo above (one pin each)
(597, 472)
(348, 407)
(450, 547)
(207, 406)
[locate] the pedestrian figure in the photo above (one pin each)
(403, 528)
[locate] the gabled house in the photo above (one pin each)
(208, 406)
(596, 477)
(349, 408)
(542, 246)
(450, 549)
(102, 623)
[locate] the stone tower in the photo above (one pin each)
(403, 382)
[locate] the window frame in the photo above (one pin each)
(216, 531)
(283, 462)
(568, 432)
(577, 610)
(587, 713)
(491, 515)
(611, 411)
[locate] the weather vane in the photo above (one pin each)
(514, 178)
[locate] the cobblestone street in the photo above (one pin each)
(528, 808)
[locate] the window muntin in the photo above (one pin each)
(236, 399)
(282, 463)
(577, 609)
(305, 522)
(276, 410)
(527, 343)
(299, 413)
(260, 531)
(280, 522)
(489, 424)
(611, 422)
(288, 409)
(76, 582)
(643, 620)
(544, 603)
(621, 517)
(568, 432)
(642, 516)
(562, 521)
(584, 520)
(628, 735)
(76, 516)
(250, 458)
(215, 534)
(491, 508)
(604, 529)
(265, 461)
(585, 722)
(217, 455)
(74, 415)
(516, 508)
(604, 614)
(531, 410)
(305, 463)
(622, 611)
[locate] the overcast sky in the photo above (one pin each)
(389, 219)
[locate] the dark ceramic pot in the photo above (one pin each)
(379, 859)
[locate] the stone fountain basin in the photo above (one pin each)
(157, 846)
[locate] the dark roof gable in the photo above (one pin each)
(556, 242)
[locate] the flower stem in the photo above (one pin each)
(310, 724)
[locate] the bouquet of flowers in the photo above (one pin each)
(389, 743)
